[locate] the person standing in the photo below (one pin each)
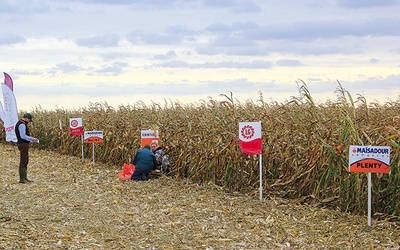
(144, 162)
(23, 139)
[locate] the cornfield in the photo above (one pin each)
(305, 144)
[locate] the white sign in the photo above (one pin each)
(93, 136)
(374, 159)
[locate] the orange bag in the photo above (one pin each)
(127, 171)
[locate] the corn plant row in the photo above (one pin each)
(305, 145)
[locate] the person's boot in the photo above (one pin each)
(26, 175)
(145, 177)
(22, 175)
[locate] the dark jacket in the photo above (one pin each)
(18, 134)
(145, 160)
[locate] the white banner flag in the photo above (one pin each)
(9, 113)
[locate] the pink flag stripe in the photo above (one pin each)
(8, 81)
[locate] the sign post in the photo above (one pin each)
(250, 142)
(369, 159)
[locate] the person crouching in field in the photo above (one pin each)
(161, 158)
(144, 162)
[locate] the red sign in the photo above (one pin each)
(148, 137)
(75, 126)
(250, 141)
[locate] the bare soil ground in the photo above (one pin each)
(75, 205)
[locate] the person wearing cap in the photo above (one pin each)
(24, 138)
(144, 162)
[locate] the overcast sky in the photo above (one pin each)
(68, 53)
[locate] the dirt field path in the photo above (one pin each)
(73, 205)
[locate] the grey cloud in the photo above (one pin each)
(186, 88)
(232, 41)
(233, 86)
(244, 85)
(180, 30)
(67, 67)
(366, 3)
(385, 86)
(138, 88)
(389, 83)
(373, 60)
(110, 40)
(308, 30)
(153, 38)
(396, 50)
(172, 35)
(248, 38)
(219, 27)
(105, 89)
(317, 48)
(239, 51)
(238, 6)
(168, 55)
(114, 69)
(121, 64)
(25, 7)
(234, 27)
(16, 72)
(256, 64)
(312, 79)
(173, 64)
(142, 3)
(114, 2)
(290, 63)
(237, 86)
(113, 56)
(11, 38)
(382, 85)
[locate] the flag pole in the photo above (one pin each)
(369, 197)
(93, 153)
(82, 147)
(261, 191)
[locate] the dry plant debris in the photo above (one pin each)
(73, 204)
